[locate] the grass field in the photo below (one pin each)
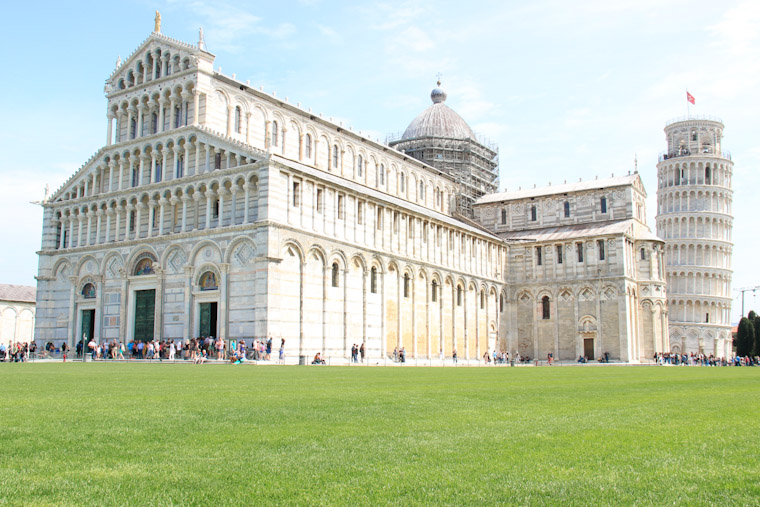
(181, 434)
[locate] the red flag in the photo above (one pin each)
(690, 98)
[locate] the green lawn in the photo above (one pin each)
(211, 434)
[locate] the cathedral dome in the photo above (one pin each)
(438, 120)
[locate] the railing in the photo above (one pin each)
(693, 117)
(687, 153)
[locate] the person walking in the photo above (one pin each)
(362, 351)
(281, 359)
(64, 349)
(454, 356)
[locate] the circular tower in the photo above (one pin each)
(694, 217)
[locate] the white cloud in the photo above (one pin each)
(330, 34)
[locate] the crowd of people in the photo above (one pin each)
(200, 350)
(693, 359)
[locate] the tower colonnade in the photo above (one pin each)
(694, 217)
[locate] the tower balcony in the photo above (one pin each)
(701, 152)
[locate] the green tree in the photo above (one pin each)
(755, 318)
(745, 337)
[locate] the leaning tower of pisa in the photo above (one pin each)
(694, 217)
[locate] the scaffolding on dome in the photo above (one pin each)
(474, 164)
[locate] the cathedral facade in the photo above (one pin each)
(216, 209)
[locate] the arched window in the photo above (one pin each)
(693, 135)
(133, 129)
(603, 204)
(459, 296)
(237, 119)
(335, 156)
(707, 175)
(533, 215)
(208, 281)
(177, 115)
(643, 255)
(406, 285)
(153, 123)
(402, 178)
(381, 175)
(503, 217)
(545, 308)
(373, 281)
(144, 267)
(307, 146)
(158, 171)
(135, 174)
(434, 291)
(274, 133)
(180, 166)
(88, 291)
(422, 191)
(567, 209)
(482, 299)
(335, 278)
(359, 166)
(501, 302)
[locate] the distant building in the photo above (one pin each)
(695, 218)
(17, 313)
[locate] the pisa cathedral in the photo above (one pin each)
(215, 209)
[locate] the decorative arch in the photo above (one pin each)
(202, 245)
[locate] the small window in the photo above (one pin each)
(296, 194)
(373, 281)
(341, 207)
(539, 256)
(707, 175)
(275, 129)
(600, 243)
(707, 318)
(533, 213)
(559, 254)
(335, 279)
(359, 166)
(335, 156)
(422, 191)
(434, 291)
(237, 119)
(153, 123)
(307, 146)
(402, 179)
(567, 209)
(643, 254)
(158, 172)
(503, 217)
(406, 285)
(215, 210)
(482, 300)
(131, 221)
(604, 204)
(459, 296)
(218, 161)
(180, 166)
(360, 212)
(134, 176)
(545, 308)
(410, 227)
(320, 200)
(501, 303)
(382, 175)
(177, 116)
(579, 251)
(379, 218)
(693, 135)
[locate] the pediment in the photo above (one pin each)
(131, 72)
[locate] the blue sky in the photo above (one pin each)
(567, 90)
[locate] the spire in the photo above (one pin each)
(118, 62)
(201, 40)
(157, 23)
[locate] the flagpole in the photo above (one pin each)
(687, 103)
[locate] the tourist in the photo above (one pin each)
(362, 351)
(269, 348)
(282, 351)
(64, 349)
(454, 356)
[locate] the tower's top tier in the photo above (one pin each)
(697, 136)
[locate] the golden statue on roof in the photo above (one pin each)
(157, 26)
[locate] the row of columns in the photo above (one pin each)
(80, 226)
